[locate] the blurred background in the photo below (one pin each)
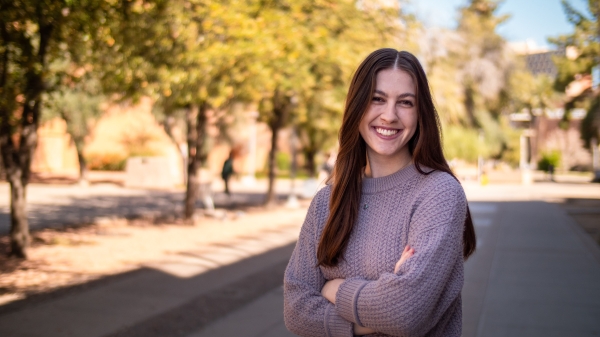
(159, 155)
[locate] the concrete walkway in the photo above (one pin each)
(262, 317)
(173, 297)
(535, 273)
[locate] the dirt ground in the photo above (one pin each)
(63, 257)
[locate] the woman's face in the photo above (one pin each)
(391, 119)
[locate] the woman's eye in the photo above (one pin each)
(377, 99)
(406, 103)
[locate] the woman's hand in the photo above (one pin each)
(330, 289)
(408, 252)
(362, 330)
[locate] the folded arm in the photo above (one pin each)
(412, 301)
(306, 311)
(329, 290)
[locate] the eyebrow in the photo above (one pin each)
(406, 94)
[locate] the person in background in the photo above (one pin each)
(328, 165)
(551, 171)
(227, 171)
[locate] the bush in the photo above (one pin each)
(462, 143)
(106, 162)
(283, 161)
(547, 159)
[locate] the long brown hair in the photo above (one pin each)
(425, 148)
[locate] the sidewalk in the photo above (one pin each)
(535, 273)
(172, 297)
(263, 317)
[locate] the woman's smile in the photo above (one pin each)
(386, 133)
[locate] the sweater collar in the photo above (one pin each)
(375, 185)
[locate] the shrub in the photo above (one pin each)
(462, 143)
(283, 161)
(547, 159)
(106, 162)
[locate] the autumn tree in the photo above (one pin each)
(532, 92)
(79, 103)
(486, 64)
(187, 55)
(320, 114)
(312, 49)
(33, 34)
(584, 42)
(469, 69)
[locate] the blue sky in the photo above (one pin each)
(530, 19)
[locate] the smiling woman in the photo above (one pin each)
(382, 247)
(390, 122)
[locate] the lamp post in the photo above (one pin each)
(525, 160)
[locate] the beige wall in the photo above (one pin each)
(55, 152)
(121, 122)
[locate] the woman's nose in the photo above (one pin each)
(389, 114)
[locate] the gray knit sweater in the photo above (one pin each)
(423, 298)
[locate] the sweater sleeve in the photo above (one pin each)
(306, 312)
(412, 301)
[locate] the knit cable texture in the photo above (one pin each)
(423, 298)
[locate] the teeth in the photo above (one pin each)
(386, 132)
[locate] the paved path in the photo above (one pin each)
(262, 317)
(535, 273)
(173, 297)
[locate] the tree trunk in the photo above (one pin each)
(272, 153)
(470, 106)
(19, 178)
(19, 229)
(83, 170)
(196, 125)
(310, 154)
(192, 166)
(17, 163)
(17, 159)
(280, 109)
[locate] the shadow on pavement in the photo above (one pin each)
(154, 205)
(146, 302)
(586, 213)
